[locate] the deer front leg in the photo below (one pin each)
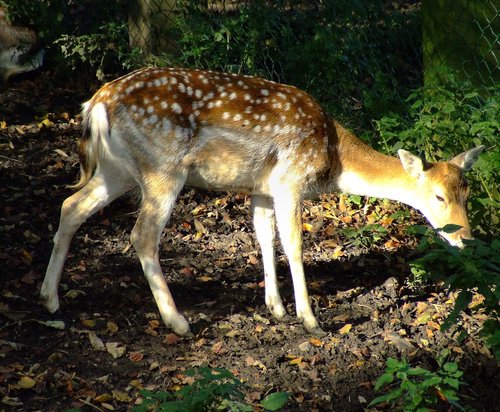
(265, 230)
(155, 211)
(288, 217)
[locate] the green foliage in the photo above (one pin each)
(212, 390)
(105, 50)
(446, 119)
(341, 52)
(364, 236)
(416, 389)
(245, 40)
(474, 269)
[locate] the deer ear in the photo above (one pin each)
(466, 160)
(413, 165)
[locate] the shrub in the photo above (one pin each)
(212, 390)
(415, 388)
(445, 119)
(474, 270)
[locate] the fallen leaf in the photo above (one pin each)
(61, 152)
(217, 347)
(317, 342)
(105, 397)
(115, 349)
(307, 227)
(121, 396)
(171, 339)
(135, 356)
(26, 382)
(344, 330)
(56, 324)
(89, 323)
(96, 341)
(297, 360)
(112, 327)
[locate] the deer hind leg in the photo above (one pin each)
(288, 217)
(265, 230)
(158, 201)
(107, 184)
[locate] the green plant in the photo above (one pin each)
(364, 236)
(106, 50)
(445, 119)
(416, 389)
(472, 270)
(212, 390)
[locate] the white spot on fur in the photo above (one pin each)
(176, 108)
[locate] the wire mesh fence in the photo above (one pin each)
(361, 56)
(466, 37)
(366, 53)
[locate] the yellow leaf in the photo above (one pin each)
(344, 330)
(26, 382)
(338, 252)
(46, 122)
(307, 227)
(421, 307)
(89, 323)
(105, 397)
(121, 396)
(112, 327)
(316, 342)
(27, 256)
(296, 360)
(423, 318)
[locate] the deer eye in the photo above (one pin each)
(441, 199)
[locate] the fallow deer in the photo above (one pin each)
(20, 49)
(160, 129)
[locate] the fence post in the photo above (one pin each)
(149, 22)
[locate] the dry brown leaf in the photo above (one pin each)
(217, 347)
(317, 342)
(135, 356)
(171, 339)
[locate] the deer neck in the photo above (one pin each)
(364, 171)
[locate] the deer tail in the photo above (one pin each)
(95, 132)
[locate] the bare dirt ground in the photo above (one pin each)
(359, 287)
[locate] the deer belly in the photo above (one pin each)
(222, 173)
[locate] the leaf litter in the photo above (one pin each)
(108, 341)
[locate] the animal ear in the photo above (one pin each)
(413, 165)
(466, 160)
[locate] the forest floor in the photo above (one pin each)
(108, 341)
